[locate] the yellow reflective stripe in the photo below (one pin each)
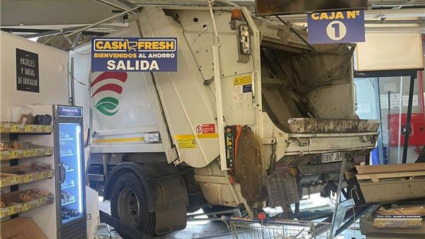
(119, 140)
(199, 136)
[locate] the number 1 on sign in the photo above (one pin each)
(336, 30)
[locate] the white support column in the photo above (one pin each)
(218, 97)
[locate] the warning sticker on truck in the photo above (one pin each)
(205, 128)
(242, 80)
(241, 85)
(186, 141)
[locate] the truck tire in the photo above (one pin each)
(129, 204)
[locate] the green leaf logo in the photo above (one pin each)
(108, 106)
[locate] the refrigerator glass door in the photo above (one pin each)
(70, 152)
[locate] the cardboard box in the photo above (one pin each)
(13, 229)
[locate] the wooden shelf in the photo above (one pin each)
(67, 203)
(27, 129)
(66, 187)
(69, 139)
(67, 155)
(10, 210)
(26, 153)
(8, 179)
(22, 207)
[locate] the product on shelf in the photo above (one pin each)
(19, 170)
(67, 213)
(14, 198)
(67, 197)
(68, 184)
(42, 119)
(16, 145)
(40, 167)
(66, 166)
(26, 119)
(2, 205)
(65, 151)
(63, 136)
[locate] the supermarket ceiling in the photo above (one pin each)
(36, 18)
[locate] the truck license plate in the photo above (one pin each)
(332, 157)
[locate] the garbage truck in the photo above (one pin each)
(254, 117)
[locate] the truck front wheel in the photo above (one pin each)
(129, 204)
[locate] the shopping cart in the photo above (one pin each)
(247, 228)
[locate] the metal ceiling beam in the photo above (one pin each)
(111, 4)
(102, 21)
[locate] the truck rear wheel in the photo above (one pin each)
(129, 204)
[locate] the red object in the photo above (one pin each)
(417, 129)
(205, 129)
(262, 216)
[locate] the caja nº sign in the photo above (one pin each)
(134, 54)
(336, 27)
(335, 15)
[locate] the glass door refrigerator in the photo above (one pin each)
(69, 154)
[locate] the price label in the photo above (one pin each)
(15, 180)
(50, 174)
(4, 155)
(25, 207)
(34, 152)
(48, 129)
(42, 175)
(15, 128)
(4, 213)
(13, 210)
(39, 151)
(30, 128)
(27, 178)
(2, 183)
(39, 129)
(41, 201)
(13, 154)
(27, 153)
(48, 151)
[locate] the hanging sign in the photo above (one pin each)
(27, 71)
(336, 27)
(134, 54)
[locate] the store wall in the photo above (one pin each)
(53, 75)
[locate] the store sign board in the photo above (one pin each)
(67, 111)
(27, 71)
(134, 54)
(336, 27)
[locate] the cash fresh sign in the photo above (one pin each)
(134, 54)
(336, 27)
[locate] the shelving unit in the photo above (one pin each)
(19, 174)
